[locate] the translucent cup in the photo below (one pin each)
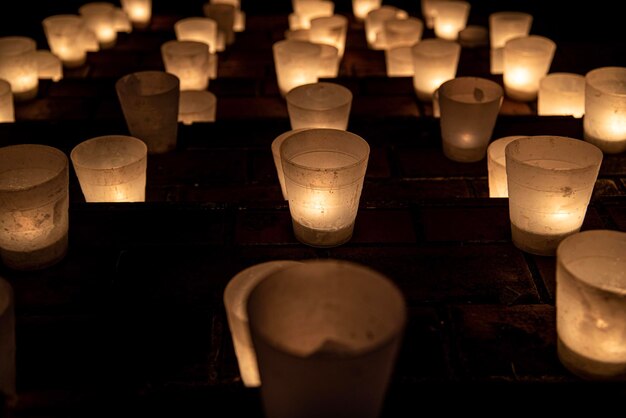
(139, 12)
(326, 335)
(435, 61)
(189, 61)
(111, 168)
(199, 29)
(496, 166)
(319, 105)
(296, 63)
(504, 26)
(403, 32)
(561, 94)
(324, 171)
(62, 31)
(100, 18)
(550, 181)
(526, 61)
(224, 15)
(451, 19)
(468, 108)
(18, 66)
(330, 30)
(149, 100)
(591, 304)
(34, 203)
(360, 8)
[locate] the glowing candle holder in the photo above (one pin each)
(550, 180)
(504, 26)
(62, 32)
(561, 94)
(149, 101)
(526, 61)
(329, 62)
(111, 168)
(605, 109)
(7, 111)
(235, 300)
(7, 343)
(307, 10)
(49, 67)
(326, 335)
(591, 304)
(360, 8)
(34, 185)
(330, 30)
(324, 171)
(496, 166)
(435, 61)
(374, 25)
(468, 107)
(402, 32)
(319, 105)
(100, 18)
(18, 66)
(139, 12)
(276, 143)
(199, 29)
(399, 62)
(197, 106)
(224, 15)
(296, 63)
(189, 61)
(451, 19)
(429, 11)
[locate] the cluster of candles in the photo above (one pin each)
(321, 168)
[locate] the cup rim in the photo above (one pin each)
(591, 75)
(499, 91)
(37, 148)
(174, 83)
(346, 96)
(90, 141)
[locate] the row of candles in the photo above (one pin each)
(321, 168)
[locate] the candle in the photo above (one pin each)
(360, 8)
(526, 61)
(199, 29)
(296, 63)
(319, 105)
(496, 166)
(561, 94)
(591, 304)
(504, 26)
(330, 30)
(7, 343)
(451, 18)
(189, 61)
(605, 109)
(100, 18)
(138, 11)
(374, 25)
(18, 66)
(307, 10)
(435, 61)
(550, 180)
(7, 111)
(62, 33)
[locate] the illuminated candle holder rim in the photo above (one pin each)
(15, 45)
(497, 17)
(531, 45)
(312, 96)
(175, 47)
(597, 79)
(14, 155)
(199, 20)
(548, 80)
(82, 154)
(147, 83)
(490, 90)
(436, 47)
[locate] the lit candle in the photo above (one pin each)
(526, 61)
(504, 26)
(64, 34)
(100, 18)
(308, 10)
(139, 12)
(429, 11)
(402, 32)
(296, 63)
(330, 30)
(189, 61)
(199, 29)
(319, 105)
(451, 19)
(360, 8)
(435, 61)
(561, 94)
(18, 66)
(374, 25)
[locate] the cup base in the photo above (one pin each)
(587, 368)
(463, 155)
(322, 238)
(36, 259)
(538, 244)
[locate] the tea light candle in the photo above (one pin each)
(324, 171)
(62, 33)
(100, 18)
(591, 304)
(526, 61)
(224, 15)
(504, 26)
(189, 61)
(235, 300)
(360, 8)
(7, 111)
(138, 11)
(550, 181)
(374, 25)
(49, 66)
(561, 94)
(435, 61)
(399, 62)
(296, 63)
(34, 185)
(451, 18)
(307, 10)
(496, 166)
(199, 29)
(18, 66)
(111, 168)
(402, 32)
(197, 106)
(330, 30)
(319, 105)
(605, 109)
(7, 343)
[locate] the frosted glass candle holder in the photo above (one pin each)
(7, 111)
(399, 62)
(111, 168)
(604, 121)
(224, 15)
(526, 61)
(296, 63)
(276, 143)
(197, 106)
(435, 61)
(7, 343)
(402, 32)
(591, 304)
(326, 335)
(451, 19)
(324, 171)
(468, 107)
(235, 301)
(504, 26)
(18, 66)
(561, 94)
(100, 18)
(550, 181)
(307, 10)
(139, 12)
(189, 61)
(34, 185)
(429, 11)
(61, 32)
(374, 25)
(149, 101)
(330, 30)
(496, 166)
(49, 67)
(319, 105)
(360, 8)
(199, 29)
